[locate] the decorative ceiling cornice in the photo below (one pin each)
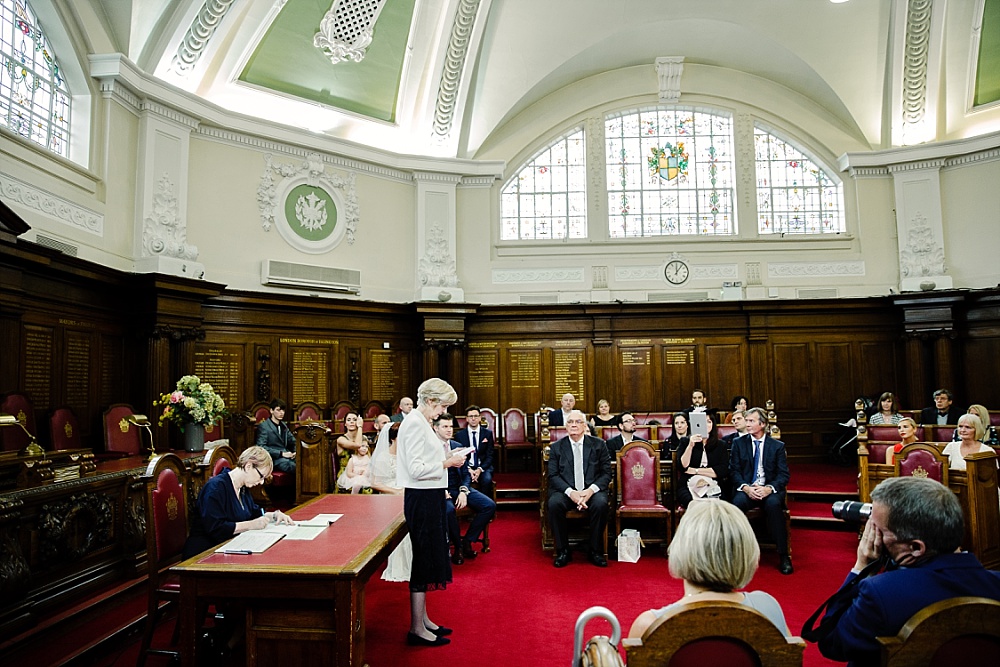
(347, 29)
(451, 76)
(916, 53)
(198, 35)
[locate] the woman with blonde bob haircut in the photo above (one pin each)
(715, 553)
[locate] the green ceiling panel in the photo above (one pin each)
(286, 61)
(988, 66)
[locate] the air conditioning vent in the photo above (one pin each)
(56, 244)
(539, 298)
(677, 296)
(307, 276)
(817, 293)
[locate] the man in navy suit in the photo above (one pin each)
(942, 412)
(758, 468)
(461, 494)
(481, 460)
(916, 523)
(579, 475)
(558, 416)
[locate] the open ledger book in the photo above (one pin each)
(259, 541)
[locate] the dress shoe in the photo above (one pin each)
(598, 559)
(417, 640)
(786, 565)
(562, 559)
(456, 557)
(468, 551)
(441, 631)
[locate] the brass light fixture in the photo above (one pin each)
(142, 421)
(33, 448)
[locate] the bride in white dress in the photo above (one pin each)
(383, 479)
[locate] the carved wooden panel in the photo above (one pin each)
(725, 372)
(793, 380)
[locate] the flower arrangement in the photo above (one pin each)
(193, 402)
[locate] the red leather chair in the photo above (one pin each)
(639, 496)
(166, 532)
(886, 433)
(307, 411)
(957, 631)
(120, 437)
(491, 420)
(373, 409)
(65, 429)
(941, 433)
(515, 434)
(556, 433)
(921, 459)
(713, 634)
(661, 418)
(13, 438)
(608, 432)
(217, 458)
(340, 410)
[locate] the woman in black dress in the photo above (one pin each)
(703, 459)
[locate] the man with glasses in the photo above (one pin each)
(579, 474)
(626, 428)
(476, 435)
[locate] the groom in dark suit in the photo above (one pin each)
(480, 462)
(758, 468)
(579, 475)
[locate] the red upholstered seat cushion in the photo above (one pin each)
(219, 465)
(515, 428)
(876, 451)
(921, 459)
(169, 515)
(280, 478)
(638, 475)
(715, 652)
(65, 429)
(119, 434)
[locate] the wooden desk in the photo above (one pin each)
(304, 599)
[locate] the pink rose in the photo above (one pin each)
(176, 397)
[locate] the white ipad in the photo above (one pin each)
(698, 423)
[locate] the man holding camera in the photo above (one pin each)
(915, 527)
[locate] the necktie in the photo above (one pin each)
(757, 446)
(578, 480)
(475, 448)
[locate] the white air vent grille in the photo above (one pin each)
(817, 293)
(308, 276)
(56, 244)
(677, 296)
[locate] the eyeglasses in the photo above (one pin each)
(627, 420)
(574, 421)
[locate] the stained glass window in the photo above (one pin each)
(34, 101)
(794, 194)
(669, 172)
(547, 198)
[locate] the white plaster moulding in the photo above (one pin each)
(115, 71)
(50, 205)
(942, 150)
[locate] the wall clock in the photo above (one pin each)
(676, 272)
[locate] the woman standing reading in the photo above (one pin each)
(423, 472)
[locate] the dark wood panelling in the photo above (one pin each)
(725, 366)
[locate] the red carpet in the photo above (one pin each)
(511, 607)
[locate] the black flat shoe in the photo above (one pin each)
(598, 559)
(417, 640)
(441, 631)
(562, 559)
(786, 565)
(457, 558)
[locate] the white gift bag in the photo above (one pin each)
(629, 546)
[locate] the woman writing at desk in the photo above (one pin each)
(225, 507)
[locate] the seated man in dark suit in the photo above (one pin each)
(942, 412)
(558, 417)
(916, 525)
(758, 468)
(626, 427)
(274, 435)
(739, 421)
(461, 494)
(480, 461)
(579, 475)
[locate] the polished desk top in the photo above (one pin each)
(371, 526)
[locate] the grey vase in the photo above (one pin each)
(194, 438)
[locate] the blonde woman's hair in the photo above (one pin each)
(436, 390)
(981, 412)
(256, 456)
(975, 422)
(714, 547)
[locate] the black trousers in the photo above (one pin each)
(597, 509)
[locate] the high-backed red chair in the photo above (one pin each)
(260, 412)
(886, 432)
(940, 433)
(217, 458)
(166, 532)
(65, 429)
(556, 433)
(491, 420)
(121, 438)
(949, 633)
(340, 410)
(515, 434)
(307, 411)
(713, 634)
(18, 404)
(639, 496)
(921, 459)
(661, 418)
(373, 409)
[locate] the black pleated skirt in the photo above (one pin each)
(424, 510)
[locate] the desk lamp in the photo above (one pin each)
(33, 448)
(143, 422)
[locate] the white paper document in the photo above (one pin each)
(323, 520)
(250, 542)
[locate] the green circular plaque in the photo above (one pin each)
(311, 212)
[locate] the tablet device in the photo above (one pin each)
(699, 423)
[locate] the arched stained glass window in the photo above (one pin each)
(669, 172)
(794, 194)
(34, 101)
(547, 198)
